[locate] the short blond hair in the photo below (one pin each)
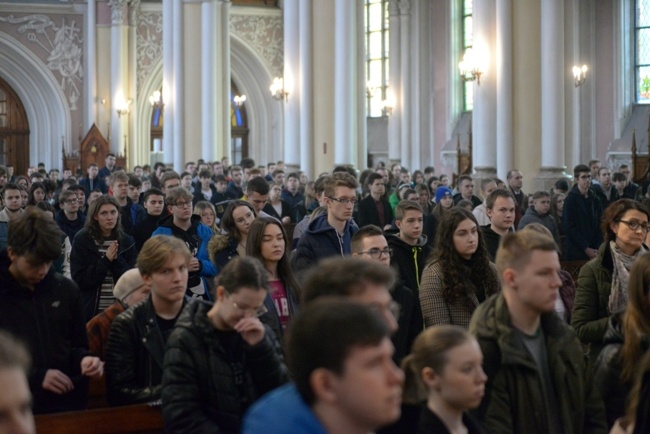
(156, 252)
(516, 249)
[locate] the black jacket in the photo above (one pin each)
(134, 356)
(199, 390)
(70, 227)
(409, 323)
(409, 260)
(88, 267)
(286, 210)
(142, 231)
(491, 240)
(581, 221)
(368, 214)
(50, 321)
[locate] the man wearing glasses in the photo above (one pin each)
(69, 219)
(329, 234)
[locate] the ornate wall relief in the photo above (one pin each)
(265, 34)
(149, 43)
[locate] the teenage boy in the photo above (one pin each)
(605, 189)
(291, 194)
(69, 219)
(204, 189)
(13, 209)
(375, 209)
(235, 189)
(539, 213)
(537, 372)
(169, 180)
(345, 380)
(135, 185)
(581, 218)
(466, 191)
(154, 203)
(109, 168)
(488, 185)
(131, 212)
(188, 227)
(92, 181)
(501, 208)
(620, 183)
(410, 247)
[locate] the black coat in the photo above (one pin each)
(581, 219)
(409, 261)
(368, 214)
(199, 390)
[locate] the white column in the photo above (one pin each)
(553, 76)
(415, 95)
(135, 150)
(168, 93)
(223, 79)
(344, 85)
(404, 103)
(485, 108)
(209, 73)
(505, 148)
(293, 79)
(360, 92)
(305, 85)
(179, 94)
(394, 81)
(118, 88)
(91, 102)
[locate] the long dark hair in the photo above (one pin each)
(254, 249)
(228, 221)
(459, 275)
(636, 319)
(93, 225)
(35, 186)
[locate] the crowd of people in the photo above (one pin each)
(250, 299)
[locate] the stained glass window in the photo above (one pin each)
(376, 21)
(468, 41)
(642, 50)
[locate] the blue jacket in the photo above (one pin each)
(206, 268)
(581, 220)
(321, 241)
(282, 411)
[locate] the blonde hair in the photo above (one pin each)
(516, 249)
(202, 206)
(156, 252)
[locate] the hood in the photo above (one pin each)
(396, 242)
(218, 243)
(532, 211)
(63, 219)
(575, 191)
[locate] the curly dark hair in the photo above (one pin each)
(461, 276)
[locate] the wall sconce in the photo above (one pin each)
(370, 90)
(277, 89)
(468, 67)
(387, 107)
(580, 74)
(156, 100)
(123, 107)
(239, 100)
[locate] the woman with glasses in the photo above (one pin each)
(236, 223)
(220, 357)
(603, 281)
(267, 241)
(208, 214)
(460, 276)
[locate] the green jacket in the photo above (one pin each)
(513, 401)
(590, 313)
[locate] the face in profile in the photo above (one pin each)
(15, 404)
(538, 282)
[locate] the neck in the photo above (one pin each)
(515, 190)
(13, 212)
(70, 215)
(336, 420)
(272, 268)
(339, 225)
(408, 240)
(627, 250)
(122, 201)
(166, 309)
(375, 196)
(522, 317)
(215, 319)
(452, 417)
(183, 224)
(499, 231)
(584, 192)
(106, 233)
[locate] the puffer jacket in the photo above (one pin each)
(134, 356)
(408, 260)
(513, 401)
(221, 249)
(199, 390)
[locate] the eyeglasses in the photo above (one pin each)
(183, 204)
(393, 308)
(377, 253)
(635, 225)
(343, 200)
(585, 177)
(71, 201)
(256, 312)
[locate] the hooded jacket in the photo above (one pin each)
(513, 402)
(221, 249)
(547, 220)
(70, 227)
(408, 260)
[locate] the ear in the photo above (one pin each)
(221, 293)
(11, 254)
(146, 278)
(322, 382)
(509, 278)
(488, 211)
(398, 223)
(430, 378)
(614, 227)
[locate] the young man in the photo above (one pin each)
(515, 181)
(410, 247)
(318, 204)
(131, 212)
(291, 194)
(257, 194)
(109, 168)
(620, 184)
(92, 181)
(536, 368)
(581, 218)
(69, 219)
(539, 213)
(375, 209)
(186, 182)
(270, 168)
(16, 402)
(345, 380)
(137, 340)
(631, 187)
(605, 190)
(235, 189)
(81, 196)
(169, 180)
(158, 169)
(501, 209)
(12, 200)
(204, 189)
(329, 234)
(594, 167)
(154, 203)
(188, 227)
(488, 185)
(279, 177)
(466, 191)
(43, 309)
(370, 244)
(135, 186)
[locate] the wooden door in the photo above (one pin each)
(14, 130)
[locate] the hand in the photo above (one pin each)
(57, 382)
(194, 265)
(111, 252)
(92, 367)
(591, 253)
(286, 220)
(251, 330)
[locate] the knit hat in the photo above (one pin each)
(127, 283)
(442, 192)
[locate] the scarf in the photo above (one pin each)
(620, 277)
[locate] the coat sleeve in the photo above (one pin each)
(434, 307)
(121, 358)
(208, 268)
(303, 257)
(585, 318)
(88, 269)
(126, 258)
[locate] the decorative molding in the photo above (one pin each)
(265, 34)
(149, 44)
(117, 11)
(63, 45)
(405, 6)
(134, 11)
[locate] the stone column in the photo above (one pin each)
(504, 140)
(403, 105)
(293, 77)
(394, 82)
(209, 72)
(135, 150)
(118, 83)
(178, 91)
(168, 80)
(223, 79)
(305, 88)
(91, 102)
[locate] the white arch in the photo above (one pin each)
(45, 104)
(144, 112)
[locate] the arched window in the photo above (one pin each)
(157, 120)
(238, 127)
(14, 130)
(642, 50)
(376, 20)
(467, 39)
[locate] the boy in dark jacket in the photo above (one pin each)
(410, 247)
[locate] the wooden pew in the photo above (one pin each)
(133, 419)
(573, 267)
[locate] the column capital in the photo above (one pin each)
(134, 11)
(117, 10)
(399, 7)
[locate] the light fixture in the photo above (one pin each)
(387, 107)
(579, 74)
(239, 100)
(277, 89)
(156, 100)
(370, 89)
(468, 67)
(123, 107)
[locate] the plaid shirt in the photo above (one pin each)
(99, 326)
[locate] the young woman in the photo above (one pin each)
(101, 253)
(446, 363)
(208, 214)
(433, 184)
(220, 357)
(444, 202)
(557, 206)
(36, 193)
(267, 241)
(235, 224)
(424, 198)
(603, 281)
(460, 276)
(276, 207)
(418, 177)
(627, 340)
